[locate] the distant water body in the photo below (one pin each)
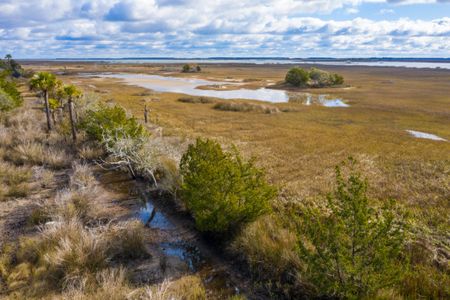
(433, 63)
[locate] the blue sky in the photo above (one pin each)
(202, 28)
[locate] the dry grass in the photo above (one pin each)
(44, 177)
(268, 247)
(90, 152)
(15, 182)
(67, 254)
(187, 287)
(246, 107)
(82, 176)
(196, 100)
(125, 240)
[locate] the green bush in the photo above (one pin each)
(220, 189)
(186, 68)
(105, 121)
(6, 102)
(350, 249)
(297, 77)
(338, 79)
(314, 78)
(9, 95)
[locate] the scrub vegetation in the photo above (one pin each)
(343, 239)
(314, 78)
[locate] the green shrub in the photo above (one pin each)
(350, 249)
(112, 122)
(337, 79)
(186, 68)
(6, 102)
(9, 95)
(297, 77)
(314, 78)
(220, 189)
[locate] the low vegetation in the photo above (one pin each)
(350, 248)
(10, 97)
(195, 100)
(191, 69)
(314, 77)
(246, 107)
(105, 122)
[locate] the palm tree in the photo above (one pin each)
(71, 92)
(45, 82)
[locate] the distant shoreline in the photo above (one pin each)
(417, 63)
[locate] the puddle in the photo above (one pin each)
(424, 135)
(310, 99)
(159, 221)
(185, 252)
(177, 242)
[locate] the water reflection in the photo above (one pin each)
(309, 99)
(152, 218)
(185, 252)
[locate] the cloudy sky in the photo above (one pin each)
(202, 28)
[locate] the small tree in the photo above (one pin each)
(220, 189)
(186, 68)
(10, 95)
(297, 77)
(351, 249)
(320, 78)
(71, 92)
(198, 68)
(111, 122)
(45, 83)
(337, 79)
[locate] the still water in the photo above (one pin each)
(190, 86)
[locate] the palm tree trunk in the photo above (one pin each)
(47, 111)
(72, 121)
(54, 116)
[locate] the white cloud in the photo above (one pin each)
(203, 27)
(387, 11)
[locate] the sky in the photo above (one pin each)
(226, 28)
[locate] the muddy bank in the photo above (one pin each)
(176, 248)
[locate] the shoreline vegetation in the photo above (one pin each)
(342, 244)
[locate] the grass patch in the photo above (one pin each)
(196, 100)
(246, 107)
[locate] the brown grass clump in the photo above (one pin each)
(44, 177)
(66, 254)
(187, 287)
(268, 247)
(15, 182)
(82, 176)
(109, 284)
(35, 153)
(126, 240)
(90, 152)
(70, 204)
(196, 100)
(246, 107)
